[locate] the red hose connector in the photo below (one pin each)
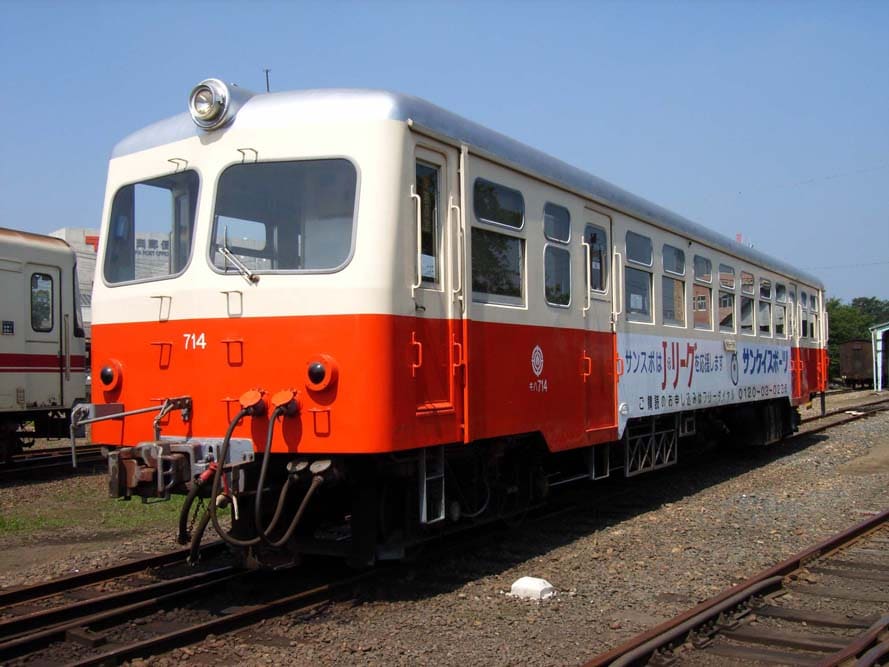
(207, 475)
(287, 402)
(253, 401)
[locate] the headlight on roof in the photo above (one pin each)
(209, 104)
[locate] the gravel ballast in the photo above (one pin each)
(620, 565)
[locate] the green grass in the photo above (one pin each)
(82, 504)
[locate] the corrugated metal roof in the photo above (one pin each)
(294, 107)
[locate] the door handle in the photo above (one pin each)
(419, 203)
(589, 277)
(587, 366)
(458, 353)
(419, 347)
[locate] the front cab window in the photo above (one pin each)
(144, 214)
(285, 216)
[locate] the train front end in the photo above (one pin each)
(244, 339)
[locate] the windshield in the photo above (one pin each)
(151, 229)
(285, 216)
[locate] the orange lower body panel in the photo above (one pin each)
(402, 382)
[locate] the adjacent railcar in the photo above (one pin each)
(374, 321)
(857, 363)
(42, 346)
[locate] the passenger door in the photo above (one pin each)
(796, 354)
(437, 335)
(600, 348)
(43, 336)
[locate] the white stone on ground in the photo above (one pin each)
(532, 588)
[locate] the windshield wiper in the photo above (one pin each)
(249, 276)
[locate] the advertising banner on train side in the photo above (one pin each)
(663, 374)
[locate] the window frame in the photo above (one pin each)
(734, 327)
(282, 272)
(437, 282)
(680, 252)
(557, 247)
(493, 298)
(759, 323)
(694, 263)
(766, 284)
(108, 223)
(752, 301)
(641, 268)
(606, 252)
(676, 324)
(651, 306)
(496, 223)
(567, 213)
(784, 334)
(731, 271)
(52, 302)
(650, 264)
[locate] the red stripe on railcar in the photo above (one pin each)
(38, 363)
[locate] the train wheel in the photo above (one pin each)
(516, 490)
(10, 445)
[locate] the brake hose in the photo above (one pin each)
(257, 506)
(225, 535)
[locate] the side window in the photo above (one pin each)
(498, 204)
(765, 318)
(638, 281)
(764, 314)
(804, 315)
(42, 306)
(780, 311)
(673, 289)
(780, 325)
(702, 310)
(557, 261)
(497, 267)
(141, 215)
(813, 325)
(638, 249)
(556, 223)
(726, 298)
(597, 239)
(747, 283)
(427, 189)
(747, 304)
(727, 276)
(498, 260)
(556, 256)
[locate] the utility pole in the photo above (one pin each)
(267, 88)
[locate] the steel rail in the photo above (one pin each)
(28, 643)
(223, 624)
(667, 631)
(839, 411)
(70, 582)
(53, 616)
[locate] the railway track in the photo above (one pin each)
(824, 606)
(148, 606)
(851, 413)
(90, 618)
(51, 463)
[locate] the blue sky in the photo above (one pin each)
(769, 119)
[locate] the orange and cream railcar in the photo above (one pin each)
(372, 320)
(42, 345)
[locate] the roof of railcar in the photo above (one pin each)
(28, 242)
(355, 104)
